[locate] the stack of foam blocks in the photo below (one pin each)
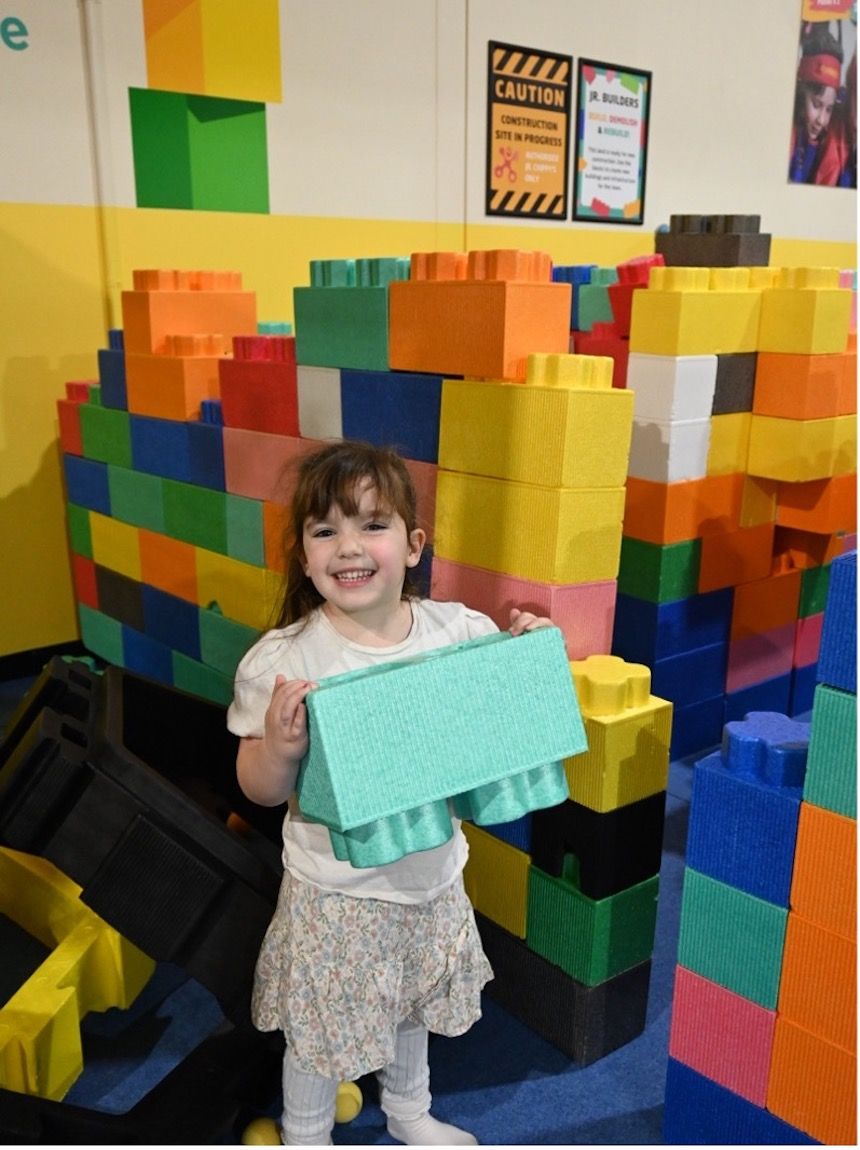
(176, 509)
(763, 1038)
(741, 486)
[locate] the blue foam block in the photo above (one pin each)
(146, 656)
(172, 621)
(518, 833)
(742, 831)
(700, 1112)
(803, 680)
(645, 632)
(697, 727)
(575, 275)
(691, 677)
(393, 409)
(160, 447)
(767, 746)
(87, 483)
(206, 455)
(837, 656)
(112, 378)
(769, 695)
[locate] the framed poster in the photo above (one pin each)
(614, 106)
(528, 132)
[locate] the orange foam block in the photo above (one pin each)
(765, 604)
(813, 1085)
(275, 522)
(803, 549)
(165, 302)
(732, 557)
(173, 384)
(795, 386)
(168, 564)
(818, 984)
(483, 328)
(824, 879)
(584, 612)
(822, 505)
(722, 1035)
(665, 513)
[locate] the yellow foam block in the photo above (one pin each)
(549, 534)
(90, 967)
(696, 311)
(729, 443)
(797, 450)
(628, 731)
(758, 503)
(805, 312)
(116, 545)
(561, 436)
(497, 879)
(591, 371)
(244, 592)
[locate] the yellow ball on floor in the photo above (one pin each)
(261, 1132)
(348, 1102)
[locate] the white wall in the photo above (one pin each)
(384, 105)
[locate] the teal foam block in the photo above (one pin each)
(486, 723)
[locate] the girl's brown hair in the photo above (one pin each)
(330, 477)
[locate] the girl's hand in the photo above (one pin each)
(522, 621)
(286, 729)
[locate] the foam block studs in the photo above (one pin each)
(696, 311)
(732, 938)
(455, 757)
(582, 611)
(491, 325)
(164, 303)
(721, 1035)
(320, 413)
(698, 1111)
(258, 385)
(496, 878)
(837, 664)
(628, 733)
(604, 341)
(802, 450)
(671, 388)
(574, 535)
(570, 435)
(342, 318)
(805, 313)
(714, 241)
(745, 806)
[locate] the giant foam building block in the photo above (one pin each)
(766, 695)
(342, 318)
(698, 1111)
(87, 483)
(111, 361)
(671, 388)
(824, 882)
(800, 450)
(805, 312)
(659, 573)
(796, 386)
(115, 545)
(826, 505)
(632, 276)
(696, 311)
(735, 384)
(746, 803)
(669, 452)
(320, 413)
(258, 385)
(691, 676)
(501, 308)
(576, 434)
(174, 383)
(576, 275)
(838, 658)
(392, 409)
(831, 777)
(728, 447)
(496, 878)
(136, 498)
(584, 1022)
(575, 534)
(713, 241)
(722, 1035)
(167, 303)
(733, 557)
(603, 341)
(818, 989)
(628, 732)
(105, 434)
(765, 604)
(348, 724)
(595, 305)
(592, 940)
(755, 658)
(732, 938)
(582, 611)
(90, 967)
(813, 1085)
(646, 632)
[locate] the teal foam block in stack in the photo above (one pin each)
(485, 723)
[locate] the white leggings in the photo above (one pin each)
(309, 1099)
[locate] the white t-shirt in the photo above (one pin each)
(316, 651)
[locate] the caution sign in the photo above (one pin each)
(528, 132)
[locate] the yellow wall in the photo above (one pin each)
(63, 271)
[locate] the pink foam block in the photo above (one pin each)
(807, 640)
(261, 465)
(584, 612)
(756, 658)
(722, 1035)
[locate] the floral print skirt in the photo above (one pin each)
(338, 974)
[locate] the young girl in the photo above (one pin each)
(358, 963)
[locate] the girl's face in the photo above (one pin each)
(358, 562)
(817, 110)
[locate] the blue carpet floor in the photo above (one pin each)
(500, 1080)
